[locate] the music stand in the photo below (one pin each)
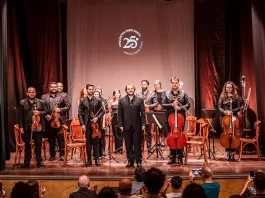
(109, 156)
(209, 115)
(162, 119)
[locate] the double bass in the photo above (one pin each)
(176, 138)
(230, 137)
(246, 115)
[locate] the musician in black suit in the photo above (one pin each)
(90, 110)
(150, 102)
(27, 108)
(176, 99)
(131, 120)
(58, 102)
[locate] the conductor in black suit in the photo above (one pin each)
(131, 120)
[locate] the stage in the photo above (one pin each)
(114, 170)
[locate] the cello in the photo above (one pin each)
(176, 138)
(230, 138)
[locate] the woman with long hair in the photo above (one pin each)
(229, 95)
(82, 95)
(113, 109)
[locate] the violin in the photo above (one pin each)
(176, 138)
(231, 135)
(36, 126)
(96, 133)
(55, 118)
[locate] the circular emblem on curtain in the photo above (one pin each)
(131, 42)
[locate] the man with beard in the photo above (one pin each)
(150, 102)
(176, 99)
(90, 110)
(131, 120)
(29, 107)
(56, 103)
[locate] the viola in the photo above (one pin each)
(96, 133)
(176, 138)
(231, 134)
(158, 107)
(36, 126)
(55, 119)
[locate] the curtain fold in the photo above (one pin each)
(258, 32)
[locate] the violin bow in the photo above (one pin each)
(103, 106)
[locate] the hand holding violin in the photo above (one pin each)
(36, 112)
(48, 117)
(83, 128)
(95, 119)
(175, 105)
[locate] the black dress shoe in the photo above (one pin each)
(97, 162)
(52, 158)
(62, 158)
(130, 164)
(40, 164)
(180, 161)
(25, 165)
(171, 161)
(139, 164)
(88, 163)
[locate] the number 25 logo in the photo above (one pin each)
(131, 42)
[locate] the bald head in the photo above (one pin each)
(83, 181)
(125, 187)
(206, 171)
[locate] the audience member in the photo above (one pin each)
(153, 182)
(21, 190)
(34, 189)
(259, 184)
(2, 191)
(211, 188)
(84, 191)
(194, 191)
(125, 188)
(176, 186)
(107, 192)
(247, 190)
(139, 177)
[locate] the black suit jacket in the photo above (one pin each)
(83, 193)
(83, 110)
(25, 113)
(150, 100)
(131, 115)
(64, 105)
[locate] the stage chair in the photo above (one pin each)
(20, 145)
(69, 145)
(200, 141)
(254, 141)
(191, 129)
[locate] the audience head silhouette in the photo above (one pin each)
(21, 190)
(154, 180)
(193, 191)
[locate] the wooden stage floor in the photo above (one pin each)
(114, 171)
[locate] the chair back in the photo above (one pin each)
(66, 135)
(77, 133)
(18, 137)
(200, 122)
(205, 131)
(257, 128)
(191, 129)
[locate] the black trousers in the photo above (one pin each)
(133, 144)
(91, 142)
(53, 135)
(37, 137)
(148, 136)
(118, 137)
